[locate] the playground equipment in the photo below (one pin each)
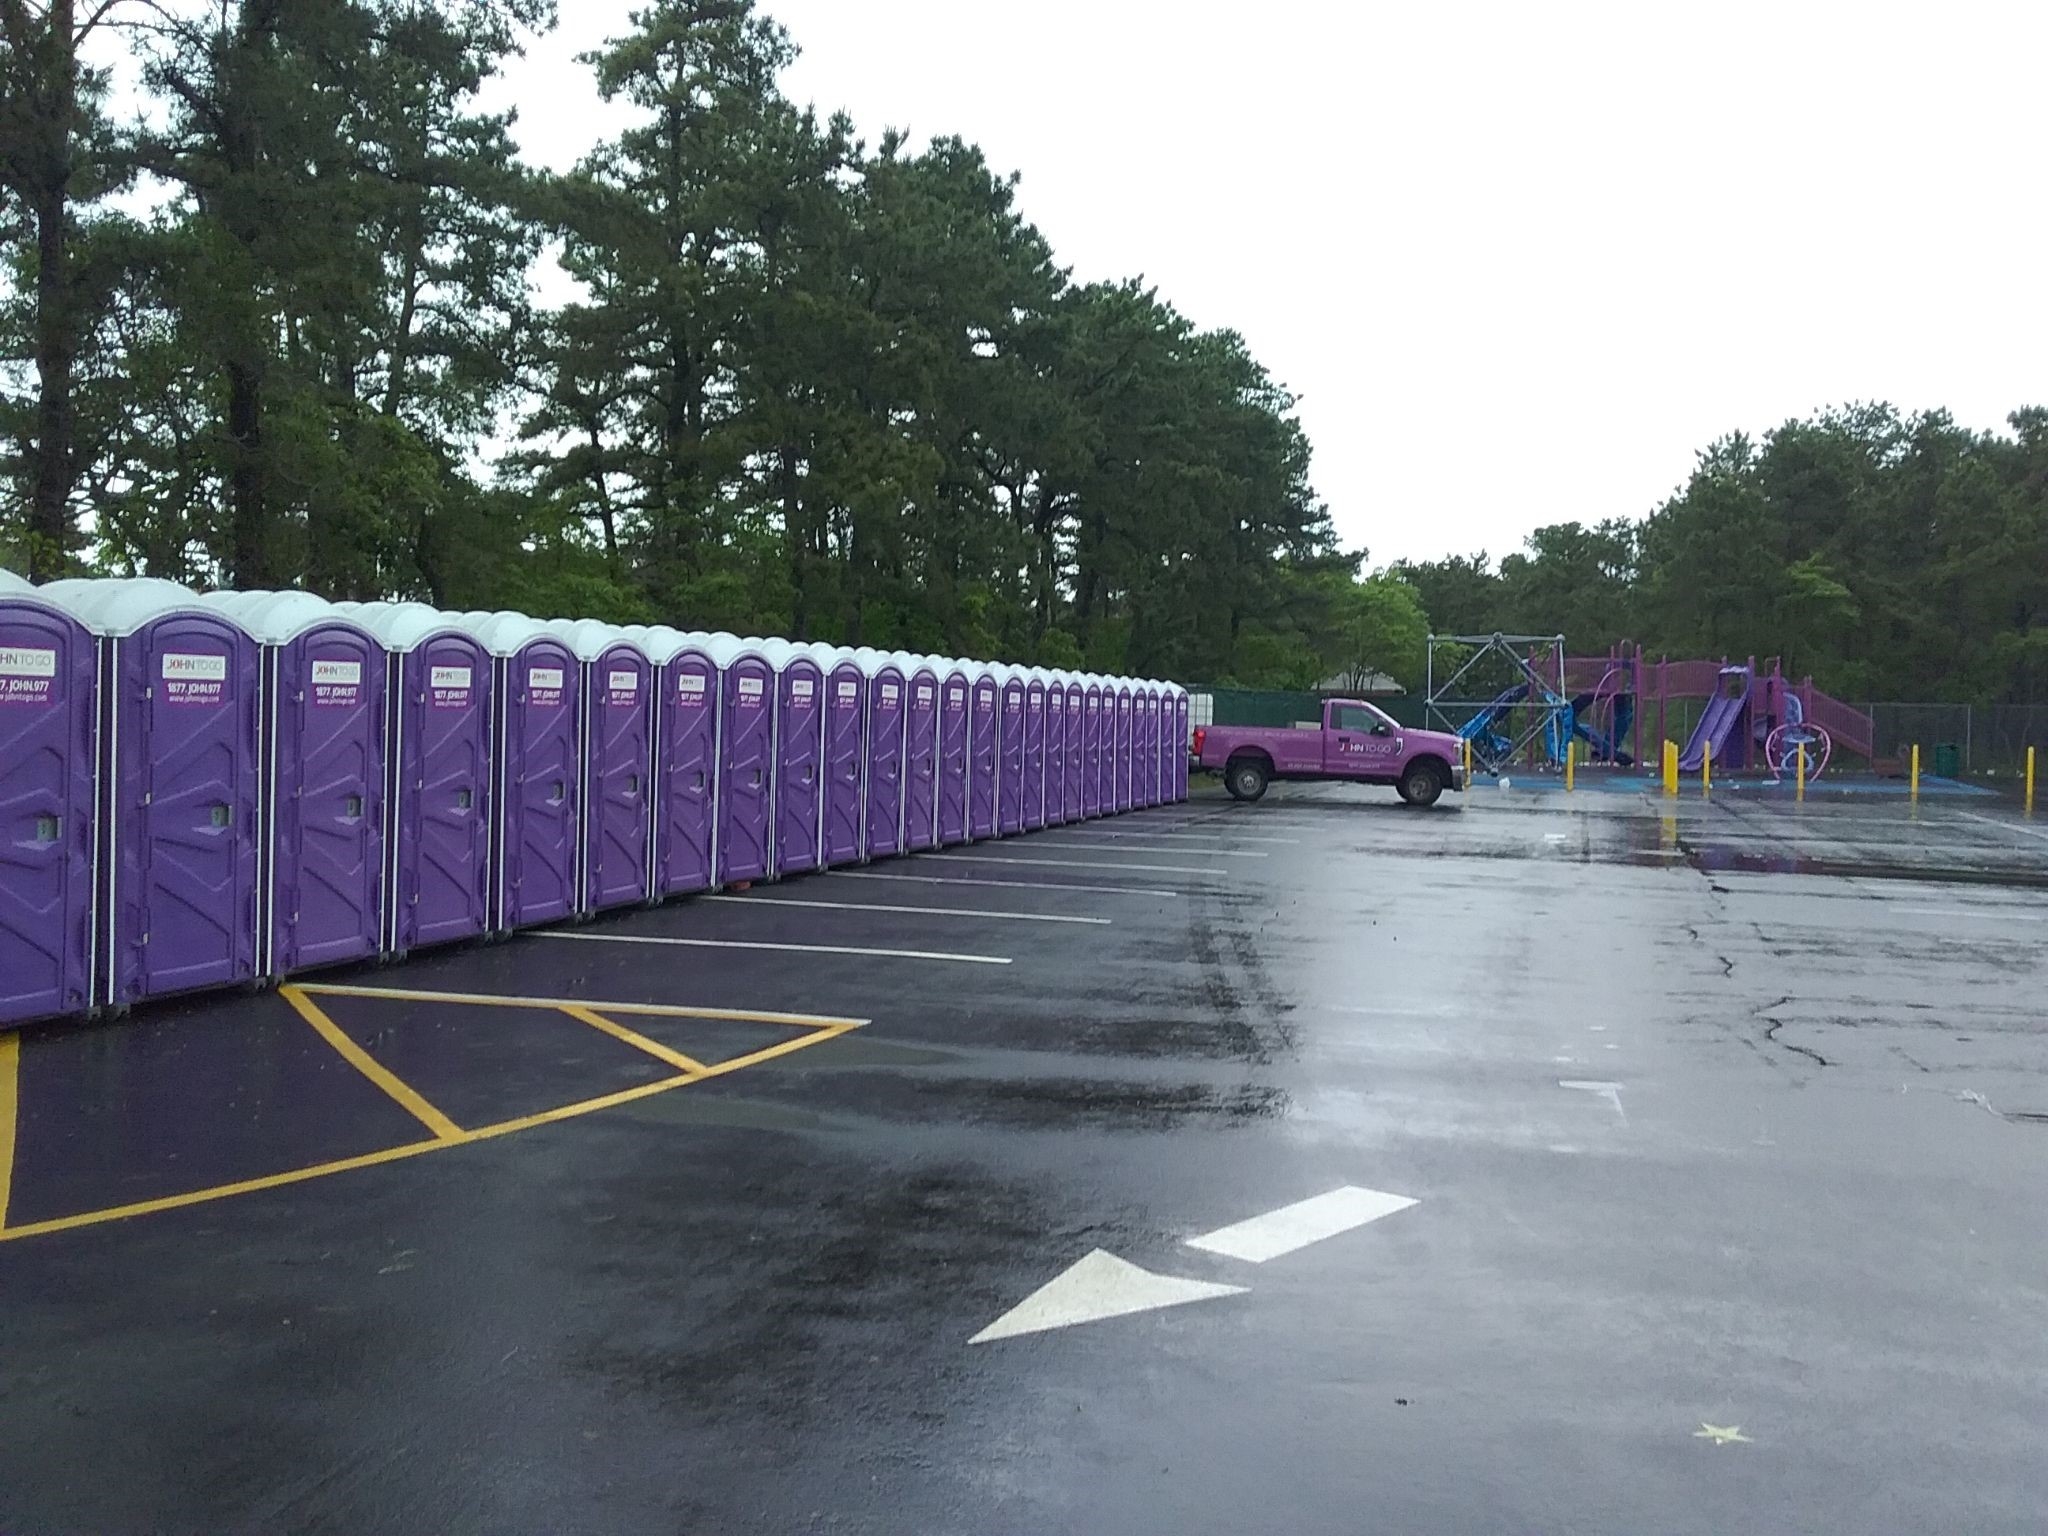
(1520, 696)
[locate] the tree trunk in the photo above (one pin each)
(56, 456)
(248, 561)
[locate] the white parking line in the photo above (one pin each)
(2004, 917)
(1214, 853)
(799, 949)
(1176, 834)
(870, 906)
(1007, 885)
(1136, 869)
(2009, 826)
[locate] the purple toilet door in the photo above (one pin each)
(983, 763)
(1034, 756)
(688, 760)
(1074, 734)
(543, 767)
(1149, 755)
(845, 691)
(1091, 755)
(1056, 755)
(921, 763)
(329, 848)
(1125, 742)
(617, 816)
(444, 837)
(746, 771)
(953, 736)
(48, 699)
(1010, 776)
(883, 810)
(185, 808)
(800, 736)
(1183, 739)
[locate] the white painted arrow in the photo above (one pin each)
(1297, 1225)
(1098, 1286)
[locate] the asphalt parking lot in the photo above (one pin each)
(1590, 1164)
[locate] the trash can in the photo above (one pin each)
(1948, 760)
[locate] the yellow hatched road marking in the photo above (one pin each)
(370, 1067)
(10, 1078)
(654, 1048)
(817, 1036)
(652, 1010)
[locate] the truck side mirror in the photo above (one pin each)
(1381, 728)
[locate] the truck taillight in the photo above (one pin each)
(1201, 735)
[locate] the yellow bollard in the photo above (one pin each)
(1468, 762)
(1571, 753)
(1916, 771)
(2030, 781)
(1670, 767)
(1802, 770)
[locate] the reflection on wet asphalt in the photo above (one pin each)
(1727, 1112)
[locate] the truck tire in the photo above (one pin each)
(1246, 779)
(1422, 784)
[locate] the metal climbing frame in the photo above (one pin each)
(1536, 662)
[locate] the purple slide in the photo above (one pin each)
(1727, 714)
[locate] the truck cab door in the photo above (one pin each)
(1356, 742)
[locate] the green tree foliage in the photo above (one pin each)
(1889, 555)
(802, 384)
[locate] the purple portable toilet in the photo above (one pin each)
(1055, 748)
(536, 771)
(845, 727)
(49, 788)
(984, 753)
(1010, 748)
(323, 763)
(1076, 746)
(1091, 748)
(1182, 742)
(1146, 793)
(683, 778)
(1126, 722)
(437, 788)
(1035, 689)
(799, 756)
(954, 705)
(921, 758)
(746, 760)
(883, 806)
(181, 754)
(617, 731)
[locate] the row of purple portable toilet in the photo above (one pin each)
(219, 789)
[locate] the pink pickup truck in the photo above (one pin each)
(1355, 742)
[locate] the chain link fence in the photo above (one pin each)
(1982, 740)
(1975, 740)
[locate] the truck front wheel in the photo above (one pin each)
(1422, 784)
(1245, 779)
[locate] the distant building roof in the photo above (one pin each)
(1363, 684)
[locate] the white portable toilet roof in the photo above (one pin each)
(401, 627)
(506, 634)
(119, 605)
(12, 585)
(661, 643)
(276, 617)
(727, 648)
(591, 638)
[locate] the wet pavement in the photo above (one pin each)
(1726, 1124)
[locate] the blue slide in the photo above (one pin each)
(1725, 715)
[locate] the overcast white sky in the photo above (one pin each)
(1520, 261)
